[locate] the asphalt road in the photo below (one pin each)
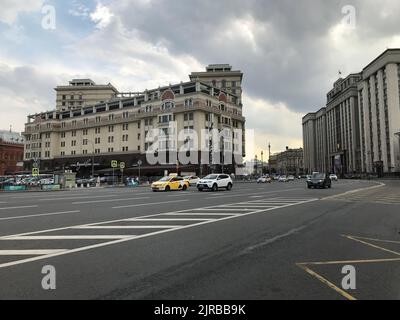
(278, 241)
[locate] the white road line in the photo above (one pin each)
(77, 198)
(30, 252)
(104, 244)
(22, 207)
(251, 206)
(254, 193)
(77, 237)
(181, 219)
(39, 215)
(110, 200)
(202, 214)
(219, 209)
(147, 204)
(125, 227)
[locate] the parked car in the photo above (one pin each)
(264, 179)
(192, 180)
(283, 179)
(319, 180)
(333, 177)
(290, 178)
(214, 182)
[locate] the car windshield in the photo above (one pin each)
(165, 179)
(318, 176)
(211, 177)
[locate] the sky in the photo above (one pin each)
(289, 51)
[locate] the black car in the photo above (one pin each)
(319, 180)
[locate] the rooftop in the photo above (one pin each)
(11, 137)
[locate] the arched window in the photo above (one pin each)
(167, 105)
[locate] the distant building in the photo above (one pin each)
(11, 152)
(290, 161)
(83, 92)
(358, 131)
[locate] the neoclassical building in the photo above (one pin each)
(119, 128)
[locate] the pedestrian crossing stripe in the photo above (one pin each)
(195, 217)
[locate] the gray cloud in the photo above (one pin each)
(292, 61)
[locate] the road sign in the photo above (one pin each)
(114, 164)
(140, 162)
(122, 165)
(35, 172)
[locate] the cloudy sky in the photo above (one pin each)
(290, 51)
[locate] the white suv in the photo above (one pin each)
(214, 182)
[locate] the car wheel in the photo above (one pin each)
(167, 188)
(184, 187)
(330, 186)
(214, 187)
(309, 187)
(200, 189)
(229, 187)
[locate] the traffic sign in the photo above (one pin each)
(35, 172)
(114, 164)
(140, 162)
(122, 165)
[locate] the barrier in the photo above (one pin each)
(15, 188)
(51, 187)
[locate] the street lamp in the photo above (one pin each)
(262, 162)
(91, 142)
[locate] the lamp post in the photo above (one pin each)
(91, 142)
(262, 162)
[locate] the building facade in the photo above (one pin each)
(290, 161)
(379, 100)
(362, 122)
(11, 152)
(121, 128)
(83, 92)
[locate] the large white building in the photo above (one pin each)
(119, 128)
(358, 131)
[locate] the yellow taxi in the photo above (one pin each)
(170, 183)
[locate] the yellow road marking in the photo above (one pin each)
(377, 240)
(326, 282)
(372, 245)
(349, 261)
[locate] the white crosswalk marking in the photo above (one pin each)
(145, 226)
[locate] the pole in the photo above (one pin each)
(139, 175)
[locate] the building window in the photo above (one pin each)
(125, 127)
(110, 150)
(189, 103)
(85, 121)
(110, 117)
(138, 136)
(97, 140)
(188, 116)
(168, 105)
(125, 115)
(110, 128)
(97, 130)
(110, 139)
(98, 119)
(85, 132)
(73, 133)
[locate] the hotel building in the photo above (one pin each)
(119, 127)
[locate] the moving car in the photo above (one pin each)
(319, 180)
(214, 182)
(333, 177)
(170, 183)
(264, 179)
(282, 179)
(192, 180)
